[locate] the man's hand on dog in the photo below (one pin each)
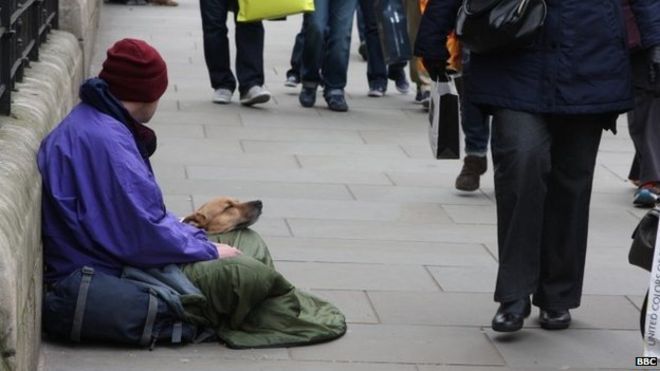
(226, 251)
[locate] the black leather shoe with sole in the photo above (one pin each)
(555, 319)
(511, 316)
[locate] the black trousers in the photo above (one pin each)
(544, 168)
(644, 127)
(249, 47)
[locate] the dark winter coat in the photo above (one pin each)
(578, 64)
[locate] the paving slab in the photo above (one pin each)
(333, 250)
(288, 175)
(476, 310)
(443, 196)
(354, 210)
(570, 348)
(206, 189)
(406, 344)
(343, 276)
(299, 135)
(392, 231)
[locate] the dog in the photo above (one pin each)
(224, 214)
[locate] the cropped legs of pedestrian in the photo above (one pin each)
(249, 55)
(325, 59)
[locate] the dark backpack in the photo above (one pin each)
(90, 305)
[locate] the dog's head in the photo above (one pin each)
(224, 214)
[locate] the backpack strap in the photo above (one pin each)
(151, 319)
(177, 332)
(81, 302)
(205, 335)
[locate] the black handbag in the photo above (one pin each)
(393, 31)
(644, 237)
(486, 26)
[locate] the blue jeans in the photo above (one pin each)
(296, 53)
(476, 127)
(475, 124)
(377, 70)
(331, 53)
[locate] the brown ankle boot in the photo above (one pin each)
(473, 168)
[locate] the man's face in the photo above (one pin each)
(146, 112)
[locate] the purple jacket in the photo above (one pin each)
(101, 205)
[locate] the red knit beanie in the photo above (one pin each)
(135, 71)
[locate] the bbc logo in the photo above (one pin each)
(646, 361)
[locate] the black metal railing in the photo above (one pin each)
(24, 25)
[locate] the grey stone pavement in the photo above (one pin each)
(357, 211)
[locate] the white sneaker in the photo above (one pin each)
(222, 96)
(257, 94)
(292, 81)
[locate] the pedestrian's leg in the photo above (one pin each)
(249, 55)
(476, 127)
(644, 127)
(417, 74)
(521, 154)
(397, 73)
(296, 56)
(376, 68)
(340, 24)
(216, 44)
(566, 215)
(314, 43)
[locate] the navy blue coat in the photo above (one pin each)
(578, 64)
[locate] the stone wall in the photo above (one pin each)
(46, 95)
(81, 18)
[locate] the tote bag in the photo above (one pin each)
(257, 10)
(444, 120)
(393, 31)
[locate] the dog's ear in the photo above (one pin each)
(197, 219)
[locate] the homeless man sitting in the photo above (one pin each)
(115, 257)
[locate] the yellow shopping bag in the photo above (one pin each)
(257, 10)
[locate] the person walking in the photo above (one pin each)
(418, 74)
(550, 102)
(249, 55)
(325, 59)
(476, 130)
(378, 72)
(644, 119)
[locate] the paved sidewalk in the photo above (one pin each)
(358, 212)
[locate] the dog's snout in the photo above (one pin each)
(258, 204)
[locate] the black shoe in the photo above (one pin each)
(362, 50)
(511, 316)
(336, 102)
(473, 168)
(307, 96)
(555, 319)
(400, 81)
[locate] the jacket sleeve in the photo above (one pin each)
(647, 14)
(121, 209)
(438, 21)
